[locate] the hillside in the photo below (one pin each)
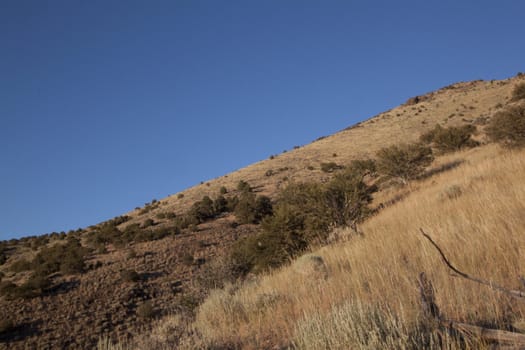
(152, 263)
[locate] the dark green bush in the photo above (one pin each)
(348, 196)
(20, 265)
(6, 325)
(243, 186)
(251, 209)
(245, 208)
(146, 310)
(67, 258)
(298, 218)
(187, 258)
(35, 286)
(171, 215)
(148, 223)
(202, 210)
(38, 242)
(330, 167)
(129, 276)
(220, 205)
(450, 139)
(8, 289)
(263, 208)
(303, 214)
(519, 92)
(404, 161)
(507, 127)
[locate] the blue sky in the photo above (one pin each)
(106, 105)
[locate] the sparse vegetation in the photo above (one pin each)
(450, 139)
(363, 305)
(303, 214)
(146, 310)
(404, 161)
(129, 275)
(519, 92)
(6, 325)
(330, 167)
(507, 127)
(339, 294)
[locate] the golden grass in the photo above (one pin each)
(475, 212)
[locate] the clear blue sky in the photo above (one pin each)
(105, 105)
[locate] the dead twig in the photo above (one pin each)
(514, 293)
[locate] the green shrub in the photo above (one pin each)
(67, 258)
(330, 167)
(519, 92)
(6, 325)
(220, 205)
(171, 215)
(187, 258)
(507, 127)
(223, 190)
(129, 276)
(243, 186)
(20, 265)
(146, 310)
(450, 139)
(8, 289)
(148, 223)
(299, 218)
(251, 209)
(263, 208)
(362, 167)
(202, 210)
(404, 161)
(348, 196)
(245, 208)
(303, 214)
(3, 252)
(38, 242)
(35, 286)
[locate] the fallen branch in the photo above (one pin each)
(514, 293)
(431, 311)
(488, 334)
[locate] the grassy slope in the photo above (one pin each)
(454, 105)
(474, 212)
(378, 269)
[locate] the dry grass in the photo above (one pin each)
(452, 106)
(474, 212)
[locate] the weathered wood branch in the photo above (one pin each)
(514, 293)
(431, 311)
(488, 334)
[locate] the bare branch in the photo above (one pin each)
(431, 311)
(514, 293)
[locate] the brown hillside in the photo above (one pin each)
(457, 104)
(174, 272)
